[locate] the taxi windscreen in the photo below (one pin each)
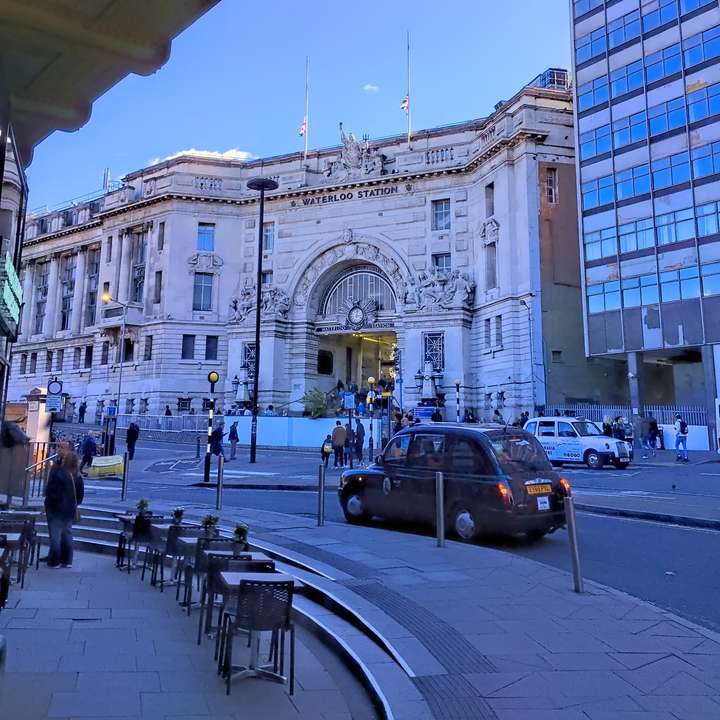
(518, 453)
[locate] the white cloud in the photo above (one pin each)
(232, 154)
(369, 87)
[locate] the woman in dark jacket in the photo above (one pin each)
(63, 493)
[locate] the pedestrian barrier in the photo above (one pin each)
(440, 508)
(107, 466)
(321, 495)
(570, 519)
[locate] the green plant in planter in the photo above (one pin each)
(143, 505)
(240, 534)
(315, 403)
(178, 513)
(209, 524)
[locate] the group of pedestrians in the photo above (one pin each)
(344, 443)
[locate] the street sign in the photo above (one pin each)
(111, 411)
(53, 399)
(54, 387)
(349, 400)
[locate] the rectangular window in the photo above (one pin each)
(440, 215)
(202, 292)
(48, 360)
(128, 351)
(68, 265)
(623, 29)
(489, 200)
(211, 347)
(157, 288)
(630, 129)
(488, 333)
(498, 331)
(664, 12)
(105, 353)
(708, 219)
(597, 192)
(33, 363)
(593, 93)
(138, 253)
(41, 292)
(636, 235)
(60, 360)
(325, 362)
(706, 160)
(600, 243)
(632, 182)
(91, 296)
(667, 116)
(557, 356)
(249, 359)
(88, 356)
(147, 351)
(701, 47)
(704, 103)
(183, 404)
(595, 142)
(603, 297)
(680, 284)
(106, 288)
(268, 237)
(626, 79)
(671, 170)
(161, 236)
(590, 45)
(551, 185)
(580, 7)
(188, 347)
(675, 226)
(491, 266)
(266, 278)
(687, 6)
(710, 279)
(441, 262)
(23, 363)
(206, 237)
(434, 350)
(663, 63)
(108, 249)
(77, 355)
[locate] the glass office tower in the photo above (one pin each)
(647, 103)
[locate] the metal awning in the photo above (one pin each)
(58, 56)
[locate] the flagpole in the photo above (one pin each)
(307, 98)
(408, 88)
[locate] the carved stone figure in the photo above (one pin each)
(240, 307)
(490, 231)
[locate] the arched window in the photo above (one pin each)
(358, 287)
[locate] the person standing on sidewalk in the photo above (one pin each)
(131, 437)
(349, 446)
(233, 438)
(326, 450)
(63, 493)
(81, 412)
(644, 435)
(338, 443)
(681, 435)
(653, 433)
(359, 440)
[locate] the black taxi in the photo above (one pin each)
(498, 480)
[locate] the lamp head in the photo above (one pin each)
(261, 183)
(371, 380)
(106, 297)
(457, 383)
(213, 377)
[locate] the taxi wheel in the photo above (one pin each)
(464, 524)
(353, 507)
(593, 460)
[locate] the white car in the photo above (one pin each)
(576, 440)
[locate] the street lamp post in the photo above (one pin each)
(370, 399)
(107, 298)
(457, 400)
(261, 184)
(212, 377)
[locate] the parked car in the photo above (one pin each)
(497, 480)
(576, 440)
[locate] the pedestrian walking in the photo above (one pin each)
(88, 449)
(233, 438)
(216, 437)
(681, 435)
(338, 444)
(497, 417)
(81, 412)
(63, 493)
(645, 435)
(270, 412)
(326, 449)
(436, 416)
(607, 426)
(168, 411)
(131, 437)
(349, 443)
(359, 440)
(653, 433)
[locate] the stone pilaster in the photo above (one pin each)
(79, 290)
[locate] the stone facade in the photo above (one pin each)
(459, 250)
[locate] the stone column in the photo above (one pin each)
(28, 300)
(79, 291)
(50, 321)
(123, 292)
(637, 399)
(711, 374)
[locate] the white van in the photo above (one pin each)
(576, 440)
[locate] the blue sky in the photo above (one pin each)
(235, 80)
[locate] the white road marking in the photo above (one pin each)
(230, 473)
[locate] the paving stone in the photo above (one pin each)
(108, 704)
(161, 704)
(629, 715)
(583, 661)
(107, 661)
(102, 681)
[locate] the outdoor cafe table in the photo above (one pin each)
(230, 583)
(11, 541)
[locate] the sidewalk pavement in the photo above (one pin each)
(668, 458)
(92, 642)
(499, 637)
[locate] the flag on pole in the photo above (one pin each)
(303, 127)
(405, 105)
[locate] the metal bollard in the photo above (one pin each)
(220, 474)
(197, 447)
(440, 508)
(574, 550)
(371, 446)
(123, 489)
(321, 495)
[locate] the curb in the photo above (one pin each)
(682, 520)
(261, 486)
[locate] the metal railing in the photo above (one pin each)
(664, 414)
(194, 423)
(37, 470)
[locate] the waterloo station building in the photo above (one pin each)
(458, 250)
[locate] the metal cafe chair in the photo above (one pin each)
(196, 567)
(261, 606)
(25, 529)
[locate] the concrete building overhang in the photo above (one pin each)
(57, 58)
